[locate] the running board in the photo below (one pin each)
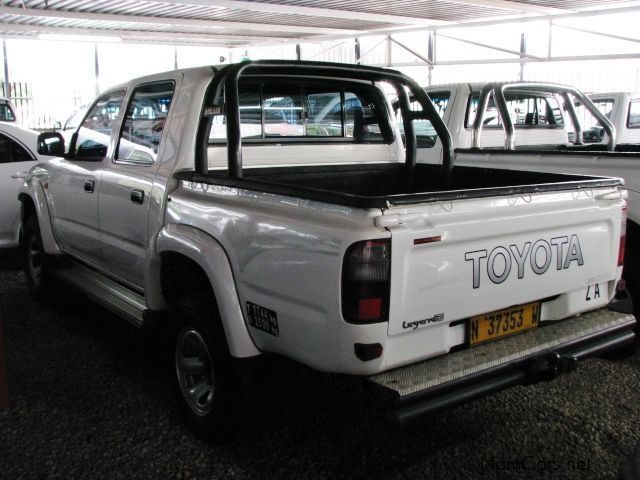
(104, 291)
(540, 354)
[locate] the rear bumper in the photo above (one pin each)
(541, 354)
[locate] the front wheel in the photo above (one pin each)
(36, 264)
(203, 373)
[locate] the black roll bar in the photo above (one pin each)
(227, 79)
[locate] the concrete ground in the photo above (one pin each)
(89, 399)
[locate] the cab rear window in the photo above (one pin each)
(275, 113)
(525, 110)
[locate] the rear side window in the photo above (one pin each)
(10, 151)
(274, 113)
(144, 123)
(525, 110)
(633, 119)
(95, 130)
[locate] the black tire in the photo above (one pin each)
(202, 370)
(631, 270)
(36, 262)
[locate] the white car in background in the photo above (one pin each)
(8, 112)
(18, 153)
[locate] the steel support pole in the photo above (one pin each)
(431, 55)
(387, 55)
(523, 51)
(96, 67)
(7, 85)
(550, 40)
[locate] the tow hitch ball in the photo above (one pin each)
(550, 366)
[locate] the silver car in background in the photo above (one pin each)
(18, 147)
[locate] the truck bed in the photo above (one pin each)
(382, 185)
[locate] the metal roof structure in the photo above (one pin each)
(236, 23)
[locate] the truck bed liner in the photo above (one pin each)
(384, 185)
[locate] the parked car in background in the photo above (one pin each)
(531, 127)
(8, 111)
(537, 117)
(73, 121)
(18, 147)
(622, 108)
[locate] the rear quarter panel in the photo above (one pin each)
(286, 255)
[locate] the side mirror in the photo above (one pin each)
(51, 143)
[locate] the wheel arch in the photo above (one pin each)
(188, 258)
(33, 202)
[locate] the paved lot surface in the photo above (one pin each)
(89, 400)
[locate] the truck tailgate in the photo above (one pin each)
(454, 260)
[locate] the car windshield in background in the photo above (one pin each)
(73, 121)
(6, 113)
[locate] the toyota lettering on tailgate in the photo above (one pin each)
(536, 257)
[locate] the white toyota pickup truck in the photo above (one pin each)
(270, 207)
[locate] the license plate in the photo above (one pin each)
(505, 322)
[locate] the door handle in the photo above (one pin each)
(21, 175)
(89, 185)
(137, 196)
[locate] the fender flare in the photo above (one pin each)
(34, 190)
(207, 252)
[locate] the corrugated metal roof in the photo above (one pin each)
(436, 10)
(574, 4)
(234, 22)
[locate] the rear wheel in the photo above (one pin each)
(204, 378)
(36, 262)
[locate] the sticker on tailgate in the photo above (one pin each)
(526, 259)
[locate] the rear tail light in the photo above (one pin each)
(623, 235)
(366, 274)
